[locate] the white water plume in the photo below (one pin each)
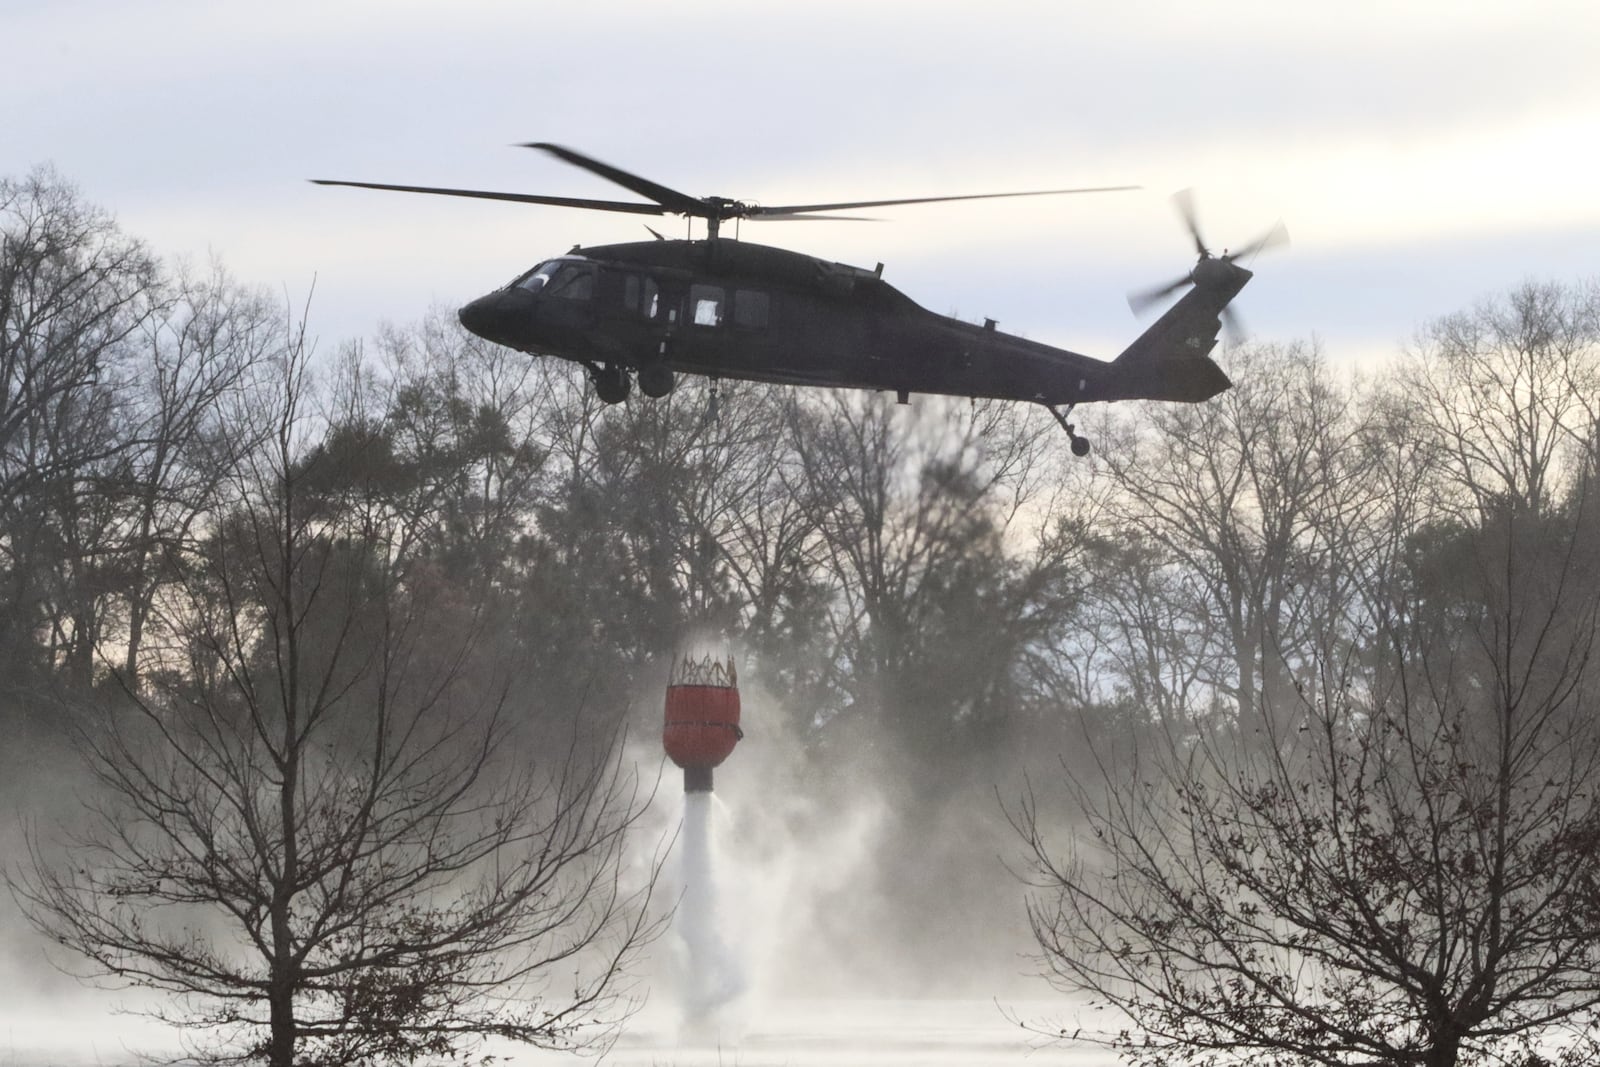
(714, 975)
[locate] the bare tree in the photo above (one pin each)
(1394, 860)
(195, 354)
(947, 566)
(73, 289)
(74, 292)
(314, 830)
(1230, 508)
(1507, 391)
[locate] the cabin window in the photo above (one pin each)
(707, 302)
(750, 309)
(641, 295)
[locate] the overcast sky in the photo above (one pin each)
(1422, 155)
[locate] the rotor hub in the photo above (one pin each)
(721, 207)
(1221, 277)
(1213, 271)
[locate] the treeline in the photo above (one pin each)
(939, 590)
(1360, 821)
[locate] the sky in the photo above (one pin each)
(1423, 155)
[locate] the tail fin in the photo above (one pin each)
(1171, 360)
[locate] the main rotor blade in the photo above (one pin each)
(1278, 235)
(520, 198)
(1144, 299)
(671, 199)
(757, 212)
(1183, 200)
(764, 217)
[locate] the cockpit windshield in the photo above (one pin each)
(567, 278)
(538, 277)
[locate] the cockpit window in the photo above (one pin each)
(557, 277)
(573, 282)
(538, 277)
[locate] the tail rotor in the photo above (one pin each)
(1210, 270)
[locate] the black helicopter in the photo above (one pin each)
(725, 308)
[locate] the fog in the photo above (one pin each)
(840, 922)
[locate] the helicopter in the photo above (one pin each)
(651, 311)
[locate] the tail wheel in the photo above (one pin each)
(1080, 444)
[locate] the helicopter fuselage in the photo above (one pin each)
(729, 309)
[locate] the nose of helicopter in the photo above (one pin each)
(494, 317)
(480, 316)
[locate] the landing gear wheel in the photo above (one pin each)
(1080, 445)
(612, 384)
(656, 380)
